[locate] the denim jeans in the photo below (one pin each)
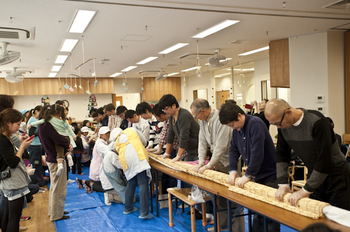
(141, 180)
(35, 160)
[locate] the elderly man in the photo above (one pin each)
(252, 140)
(216, 137)
(311, 136)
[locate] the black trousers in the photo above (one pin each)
(335, 189)
(35, 160)
(77, 163)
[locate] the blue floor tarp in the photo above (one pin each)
(89, 213)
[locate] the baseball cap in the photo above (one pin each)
(84, 129)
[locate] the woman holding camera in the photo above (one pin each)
(13, 174)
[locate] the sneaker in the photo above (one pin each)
(24, 218)
(70, 181)
(107, 202)
(147, 217)
(133, 210)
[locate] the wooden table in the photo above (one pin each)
(275, 213)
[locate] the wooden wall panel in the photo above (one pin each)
(154, 90)
(50, 86)
(279, 63)
(4, 86)
(347, 80)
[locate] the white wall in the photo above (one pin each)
(194, 83)
(78, 108)
(241, 85)
(308, 70)
(317, 69)
(130, 100)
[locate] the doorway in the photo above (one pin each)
(117, 100)
(221, 96)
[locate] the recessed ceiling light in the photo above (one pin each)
(52, 74)
(81, 21)
(254, 51)
(189, 69)
(115, 74)
(215, 28)
(128, 68)
(69, 45)
(173, 48)
(61, 59)
(56, 68)
(149, 59)
(172, 74)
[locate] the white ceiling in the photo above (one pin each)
(165, 22)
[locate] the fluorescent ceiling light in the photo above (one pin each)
(56, 68)
(149, 59)
(115, 74)
(215, 28)
(173, 48)
(52, 74)
(69, 45)
(128, 68)
(244, 70)
(61, 59)
(172, 74)
(81, 21)
(254, 51)
(189, 69)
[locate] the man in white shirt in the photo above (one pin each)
(216, 137)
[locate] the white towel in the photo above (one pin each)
(338, 215)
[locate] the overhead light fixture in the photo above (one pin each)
(173, 48)
(52, 74)
(128, 68)
(56, 68)
(172, 74)
(227, 59)
(149, 59)
(81, 20)
(244, 70)
(254, 51)
(115, 74)
(69, 45)
(215, 29)
(189, 69)
(61, 59)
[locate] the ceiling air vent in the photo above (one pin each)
(340, 4)
(14, 33)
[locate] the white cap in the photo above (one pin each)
(114, 133)
(103, 130)
(85, 129)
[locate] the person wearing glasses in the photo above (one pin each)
(182, 126)
(216, 137)
(251, 140)
(311, 136)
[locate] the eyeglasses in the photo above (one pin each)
(196, 116)
(165, 109)
(284, 113)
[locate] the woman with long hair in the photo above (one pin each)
(14, 178)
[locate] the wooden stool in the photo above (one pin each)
(182, 194)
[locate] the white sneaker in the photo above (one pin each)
(70, 160)
(70, 181)
(107, 202)
(59, 169)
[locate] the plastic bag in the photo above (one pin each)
(196, 194)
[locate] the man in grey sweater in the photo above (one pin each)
(182, 126)
(216, 137)
(311, 136)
